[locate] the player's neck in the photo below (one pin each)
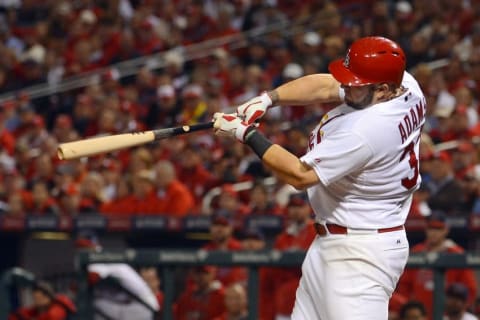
(392, 94)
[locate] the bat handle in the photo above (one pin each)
(199, 126)
(192, 128)
(171, 132)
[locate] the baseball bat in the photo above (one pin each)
(96, 145)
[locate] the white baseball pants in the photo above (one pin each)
(350, 276)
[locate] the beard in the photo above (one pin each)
(362, 104)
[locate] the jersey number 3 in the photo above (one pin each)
(409, 183)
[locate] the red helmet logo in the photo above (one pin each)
(370, 60)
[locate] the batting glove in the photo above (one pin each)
(254, 108)
(230, 125)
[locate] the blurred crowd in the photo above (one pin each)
(49, 42)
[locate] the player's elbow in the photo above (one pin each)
(300, 185)
(303, 181)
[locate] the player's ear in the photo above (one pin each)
(382, 91)
(382, 87)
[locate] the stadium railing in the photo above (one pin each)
(168, 260)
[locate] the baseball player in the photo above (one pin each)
(360, 170)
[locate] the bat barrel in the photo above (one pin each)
(92, 146)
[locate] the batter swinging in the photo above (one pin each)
(360, 170)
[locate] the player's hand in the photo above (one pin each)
(254, 108)
(230, 125)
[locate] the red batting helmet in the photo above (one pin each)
(370, 60)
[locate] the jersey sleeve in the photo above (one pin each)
(339, 155)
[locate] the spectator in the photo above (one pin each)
(445, 192)
(151, 277)
(15, 206)
(229, 201)
(111, 170)
(43, 170)
(109, 36)
(471, 187)
(253, 239)
(418, 284)
(261, 201)
(192, 171)
(63, 129)
(142, 199)
(91, 189)
(222, 238)
(127, 49)
(69, 200)
(173, 197)
(203, 300)
(119, 204)
(235, 303)
(139, 159)
(413, 310)
(46, 305)
(146, 40)
(464, 160)
(198, 26)
(165, 110)
(42, 202)
(194, 107)
(456, 303)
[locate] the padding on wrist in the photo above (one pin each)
(257, 142)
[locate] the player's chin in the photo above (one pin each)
(354, 105)
(358, 105)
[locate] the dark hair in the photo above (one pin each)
(412, 305)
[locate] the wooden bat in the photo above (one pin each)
(92, 146)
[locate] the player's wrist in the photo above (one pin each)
(257, 141)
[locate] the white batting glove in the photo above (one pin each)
(230, 125)
(254, 108)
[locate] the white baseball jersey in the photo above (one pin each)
(367, 161)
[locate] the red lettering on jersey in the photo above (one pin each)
(420, 111)
(319, 136)
(403, 133)
(408, 124)
(411, 121)
(414, 118)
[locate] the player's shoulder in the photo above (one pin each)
(411, 83)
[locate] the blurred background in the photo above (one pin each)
(76, 69)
